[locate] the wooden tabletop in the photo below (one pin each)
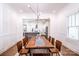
(32, 43)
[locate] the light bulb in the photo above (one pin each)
(28, 6)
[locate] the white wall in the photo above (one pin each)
(52, 24)
(10, 31)
(60, 27)
(1, 18)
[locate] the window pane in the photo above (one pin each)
(77, 19)
(73, 32)
(70, 21)
(73, 20)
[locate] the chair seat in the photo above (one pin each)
(23, 51)
(54, 50)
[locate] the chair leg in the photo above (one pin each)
(26, 54)
(58, 54)
(52, 54)
(19, 54)
(22, 54)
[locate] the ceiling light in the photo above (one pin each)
(21, 11)
(28, 6)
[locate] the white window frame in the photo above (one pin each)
(72, 26)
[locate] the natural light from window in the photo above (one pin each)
(73, 27)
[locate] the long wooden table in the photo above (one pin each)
(32, 43)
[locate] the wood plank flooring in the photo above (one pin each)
(67, 52)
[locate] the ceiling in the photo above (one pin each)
(42, 7)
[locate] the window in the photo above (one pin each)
(73, 27)
(69, 20)
(73, 32)
(77, 19)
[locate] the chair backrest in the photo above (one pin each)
(44, 36)
(49, 38)
(58, 45)
(25, 40)
(19, 45)
(53, 41)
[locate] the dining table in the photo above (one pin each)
(38, 42)
(39, 45)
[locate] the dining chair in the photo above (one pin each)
(44, 36)
(49, 38)
(21, 51)
(52, 41)
(57, 48)
(25, 41)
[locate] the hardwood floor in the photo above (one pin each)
(67, 52)
(13, 50)
(10, 52)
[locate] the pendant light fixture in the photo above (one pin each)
(36, 13)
